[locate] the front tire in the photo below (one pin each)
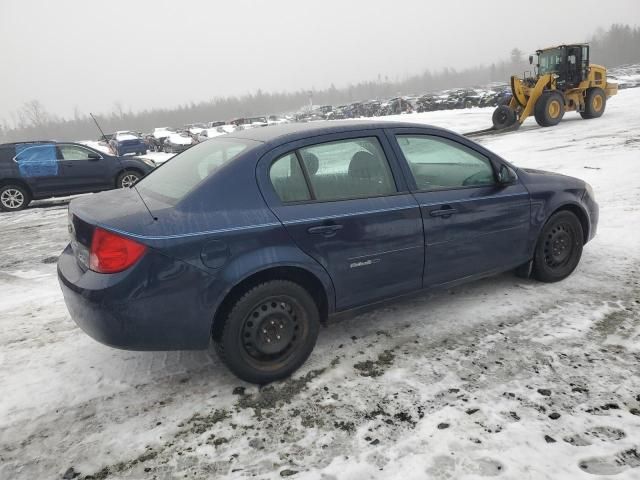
(14, 198)
(549, 109)
(269, 332)
(559, 248)
(127, 179)
(594, 103)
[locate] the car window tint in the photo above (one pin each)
(348, 169)
(441, 163)
(288, 180)
(180, 175)
(73, 152)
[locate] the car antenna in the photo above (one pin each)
(120, 161)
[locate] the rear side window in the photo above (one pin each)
(37, 160)
(288, 180)
(180, 175)
(352, 168)
(439, 163)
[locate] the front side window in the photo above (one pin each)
(438, 163)
(180, 175)
(550, 61)
(73, 152)
(353, 168)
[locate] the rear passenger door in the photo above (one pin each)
(472, 224)
(39, 167)
(344, 202)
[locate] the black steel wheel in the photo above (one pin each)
(559, 247)
(269, 332)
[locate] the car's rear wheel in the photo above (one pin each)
(14, 198)
(269, 332)
(559, 248)
(127, 179)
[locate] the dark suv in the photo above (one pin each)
(36, 170)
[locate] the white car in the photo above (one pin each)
(208, 133)
(177, 142)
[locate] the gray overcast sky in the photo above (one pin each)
(154, 53)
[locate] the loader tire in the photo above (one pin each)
(594, 103)
(503, 116)
(549, 109)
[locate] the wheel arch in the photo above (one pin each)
(16, 181)
(310, 281)
(579, 212)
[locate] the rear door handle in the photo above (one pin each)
(443, 212)
(326, 230)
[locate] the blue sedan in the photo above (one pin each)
(252, 239)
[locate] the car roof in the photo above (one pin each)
(290, 132)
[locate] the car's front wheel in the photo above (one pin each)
(559, 248)
(127, 179)
(13, 198)
(269, 332)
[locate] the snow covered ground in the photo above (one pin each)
(501, 378)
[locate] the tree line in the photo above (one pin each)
(618, 45)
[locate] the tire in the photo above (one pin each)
(559, 248)
(549, 109)
(291, 323)
(594, 103)
(503, 116)
(13, 198)
(128, 178)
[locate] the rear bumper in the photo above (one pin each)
(155, 305)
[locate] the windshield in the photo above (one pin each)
(184, 172)
(549, 61)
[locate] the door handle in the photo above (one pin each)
(443, 212)
(326, 230)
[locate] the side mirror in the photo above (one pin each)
(530, 59)
(506, 175)
(93, 156)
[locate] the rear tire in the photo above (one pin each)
(549, 109)
(594, 103)
(503, 117)
(14, 198)
(269, 332)
(559, 248)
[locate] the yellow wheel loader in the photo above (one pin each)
(563, 81)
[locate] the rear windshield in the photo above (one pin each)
(184, 172)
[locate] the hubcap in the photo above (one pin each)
(129, 180)
(596, 103)
(558, 245)
(554, 109)
(271, 329)
(12, 198)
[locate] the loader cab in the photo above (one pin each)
(569, 62)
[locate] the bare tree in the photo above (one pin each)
(33, 113)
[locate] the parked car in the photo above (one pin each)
(208, 133)
(124, 142)
(156, 139)
(177, 142)
(252, 240)
(37, 170)
(194, 128)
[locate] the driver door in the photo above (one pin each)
(472, 224)
(84, 170)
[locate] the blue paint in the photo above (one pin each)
(37, 160)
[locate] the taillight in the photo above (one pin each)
(111, 253)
